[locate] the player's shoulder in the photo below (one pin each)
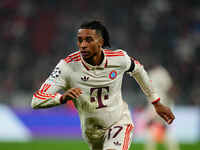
(118, 57)
(67, 61)
(114, 53)
(73, 57)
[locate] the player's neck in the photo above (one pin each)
(96, 60)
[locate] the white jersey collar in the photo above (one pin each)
(91, 67)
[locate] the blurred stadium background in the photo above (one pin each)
(35, 34)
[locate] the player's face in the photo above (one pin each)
(89, 43)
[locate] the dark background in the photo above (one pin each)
(36, 34)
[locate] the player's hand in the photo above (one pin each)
(164, 112)
(71, 94)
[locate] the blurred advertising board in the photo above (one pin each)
(62, 122)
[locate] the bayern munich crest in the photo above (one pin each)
(56, 72)
(113, 74)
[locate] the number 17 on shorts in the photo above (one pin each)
(118, 137)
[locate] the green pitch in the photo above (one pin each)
(73, 145)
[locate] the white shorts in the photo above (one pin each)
(118, 137)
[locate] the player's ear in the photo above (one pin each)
(101, 42)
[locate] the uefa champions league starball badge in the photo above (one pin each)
(113, 74)
(56, 72)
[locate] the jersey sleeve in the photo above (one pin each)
(140, 75)
(125, 61)
(47, 95)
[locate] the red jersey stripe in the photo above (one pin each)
(72, 58)
(45, 87)
(78, 59)
(72, 55)
(75, 59)
(120, 53)
(40, 93)
(43, 95)
(107, 50)
(155, 101)
(127, 137)
(113, 51)
(39, 97)
(115, 55)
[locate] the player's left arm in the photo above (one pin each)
(137, 71)
(48, 94)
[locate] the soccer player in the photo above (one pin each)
(92, 77)
(157, 129)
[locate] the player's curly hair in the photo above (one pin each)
(100, 29)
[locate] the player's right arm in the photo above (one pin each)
(138, 72)
(48, 95)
